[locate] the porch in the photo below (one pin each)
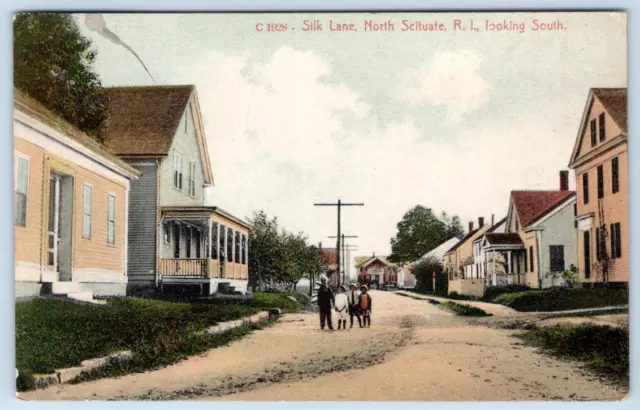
(204, 247)
(505, 259)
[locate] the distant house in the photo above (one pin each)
(174, 237)
(481, 269)
(545, 245)
(437, 253)
(330, 261)
(458, 263)
(70, 208)
(376, 271)
(599, 159)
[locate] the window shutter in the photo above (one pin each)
(585, 188)
(600, 182)
(593, 133)
(618, 241)
(615, 181)
(601, 123)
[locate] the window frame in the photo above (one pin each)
(16, 178)
(585, 187)
(556, 254)
(177, 169)
(531, 269)
(600, 178)
(615, 175)
(111, 223)
(86, 235)
(594, 136)
(601, 127)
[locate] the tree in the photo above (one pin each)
(420, 231)
(53, 63)
(424, 273)
(265, 251)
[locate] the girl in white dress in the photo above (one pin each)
(342, 307)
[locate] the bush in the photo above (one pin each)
(464, 310)
(455, 295)
(492, 291)
(563, 299)
(604, 349)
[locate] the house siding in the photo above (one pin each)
(143, 216)
(558, 230)
(615, 206)
(186, 143)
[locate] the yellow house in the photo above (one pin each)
(70, 208)
(599, 160)
(459, 259)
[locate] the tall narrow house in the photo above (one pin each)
(599, 160)
(174, 237)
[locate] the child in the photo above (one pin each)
(354, 309)
(364, 303)
(341, 306)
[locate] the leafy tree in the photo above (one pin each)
(423, 272)
(264, 254)
(53, 63)
(420, 231)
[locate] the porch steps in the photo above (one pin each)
(75, 291)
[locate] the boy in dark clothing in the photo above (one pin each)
(326, 301)
(364, 303)
(354, 309)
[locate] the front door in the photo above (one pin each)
(59, 230)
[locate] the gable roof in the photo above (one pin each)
(31, 107)
(614, 101)
(533, 205)
(382, 259)
(359, 260)
(463, 240)
(439, 251)
(143, 121)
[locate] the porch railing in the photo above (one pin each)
(184, 267)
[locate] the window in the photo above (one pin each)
(21, 188)
(192, 179)
(177, 170)
(237, 248)
(615, 178)
(587, 254)
(585, 188)
(111, 224)
(601, 126)
(197, 242)
(556, 254)
(575, 216)
(189, 241)
(166, 232)
(86, 220)
(244, 249)
(526, 263)
(600, 182)
(214, 241)
(229, 254)
(593, 133)
(599, 252)
(531, 259)
(616, 245)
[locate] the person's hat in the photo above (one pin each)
(364, 287)
(342, 287)
(353, 285)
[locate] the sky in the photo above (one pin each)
(452, 120)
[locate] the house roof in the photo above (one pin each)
(614, 101)
(503, 238)
(382, 259)
(359, 260)
(533, 205)
(463, 240)
(440, 250)
(143, 121)
(30, 106)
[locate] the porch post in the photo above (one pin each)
(246, 250)
(233, 246)
(218, 241)
(210, 245)
(509, 262)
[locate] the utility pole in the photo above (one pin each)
(347, 265)
(343, 251)
(339, 204)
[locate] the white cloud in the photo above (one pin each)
(449, 79)
(278, 143)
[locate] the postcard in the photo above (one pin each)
(363, 206)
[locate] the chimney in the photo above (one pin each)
(493, 219)
(480, 222)
(470, 226)
(564, 180)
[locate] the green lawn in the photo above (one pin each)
(563, 299)
(53, 334)
(603, 349)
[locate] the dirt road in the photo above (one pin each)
(414, 351)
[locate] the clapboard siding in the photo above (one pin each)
(143, 210)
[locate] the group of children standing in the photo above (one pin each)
(353, 303)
